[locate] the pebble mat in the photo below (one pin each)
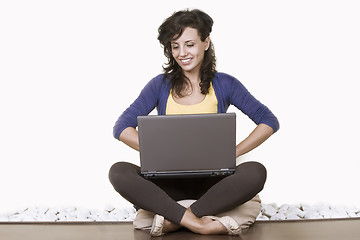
(109, 213)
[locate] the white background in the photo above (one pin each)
(69, 68)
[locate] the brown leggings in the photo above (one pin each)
(214, 194)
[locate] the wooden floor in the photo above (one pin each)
(331, 229)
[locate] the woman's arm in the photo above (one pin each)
(256, 137)
(130, 137)
(142, 106)
(235, 93)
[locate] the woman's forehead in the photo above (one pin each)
(188, 34)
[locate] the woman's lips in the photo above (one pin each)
(185, 61)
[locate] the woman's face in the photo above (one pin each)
(188, 50)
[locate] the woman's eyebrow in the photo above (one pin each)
(173, 42)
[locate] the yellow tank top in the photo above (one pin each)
(208, 105)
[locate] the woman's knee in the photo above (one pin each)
(121, 172)
(257, 171)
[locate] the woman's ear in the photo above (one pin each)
(207, 43)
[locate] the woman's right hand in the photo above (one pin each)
(130, 137)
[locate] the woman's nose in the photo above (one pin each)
(183, 51)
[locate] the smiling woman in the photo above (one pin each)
(188, 51)
(190, 78)
(187, 45)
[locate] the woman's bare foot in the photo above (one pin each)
(170, 226)
(214, 227)
(202, 225)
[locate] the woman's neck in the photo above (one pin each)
(194, 78)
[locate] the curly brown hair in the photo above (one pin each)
(170, 30)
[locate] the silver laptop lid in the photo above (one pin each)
(185, 144)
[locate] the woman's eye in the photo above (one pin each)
(190, 45)
(174, 47)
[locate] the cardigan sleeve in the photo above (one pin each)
(259, 113)
(142, 106)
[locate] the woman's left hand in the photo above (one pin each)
(256, 137)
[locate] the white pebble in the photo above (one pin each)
(52, 211)
(284, 207)
(30, 212)
(131, 210)
(294, 212)
(305, 207)
(95, 212)
(82, 213)
(131, 216)
(292, 217)
(325, 213)
(321, 207)
(27, 218)
(268, 210)
(352, 214)
(104, 216)
(262, 217)
(15, 218)
(70, 209)
(274, 205)
(312, 215)
(352, 210)
(120, 214)
(109, 207)
(92, 218)
(278, 216)
(62, 216)
(18, 211)
(42, 209)
(50, 217)
(339, 214)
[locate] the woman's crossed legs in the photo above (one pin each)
(214, 195)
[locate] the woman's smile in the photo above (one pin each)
(185, 61)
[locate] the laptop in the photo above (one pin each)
(180, 146)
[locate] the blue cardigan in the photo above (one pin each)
(228, 91)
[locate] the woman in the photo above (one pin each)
(191, 84)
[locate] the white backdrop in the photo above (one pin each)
(69, 68)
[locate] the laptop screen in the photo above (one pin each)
(187, 144)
